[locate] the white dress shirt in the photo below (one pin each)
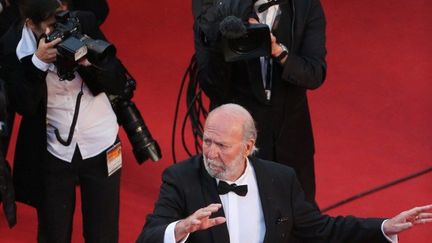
(96, 128)
(241, 228)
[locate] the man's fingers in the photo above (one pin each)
(201, 218)
(424, 216)
(210, 223)
(423, 221)
(404, 226)
(202, 214)
(207, 211)
(53, 43)
(425, 208)
(214, 207)
(218, 220)
(195, 222)
(272, 38)
(253, 21)
(418, 210)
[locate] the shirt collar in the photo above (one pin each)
(27, 44)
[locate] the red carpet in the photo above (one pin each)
(371, 118)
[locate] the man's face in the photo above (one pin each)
(223, 148)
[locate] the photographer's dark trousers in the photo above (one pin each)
(99, 199)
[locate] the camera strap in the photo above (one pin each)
(268, 77)
(263, 7)
(74, 120)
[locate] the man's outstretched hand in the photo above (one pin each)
(407, 219)
(200, 220)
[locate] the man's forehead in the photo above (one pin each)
(220, 132)
(49, 21)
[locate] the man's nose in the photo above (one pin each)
(212, 151)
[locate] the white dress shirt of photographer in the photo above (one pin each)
(96, 128)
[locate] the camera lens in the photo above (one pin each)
(143, 144)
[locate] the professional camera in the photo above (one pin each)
(242, 41)
(75, 45)
(143, 144)
(227, 20)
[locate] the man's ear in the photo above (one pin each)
(30, 24)
(249, 146)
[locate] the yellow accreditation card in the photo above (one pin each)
(114, 158)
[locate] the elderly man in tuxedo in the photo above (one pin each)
(227, 195)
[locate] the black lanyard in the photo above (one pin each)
(74, 120)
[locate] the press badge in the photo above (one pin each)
(114, 158)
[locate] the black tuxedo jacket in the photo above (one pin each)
(187, 187)
(27, 93)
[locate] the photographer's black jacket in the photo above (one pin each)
(284, 125)
(27, 91)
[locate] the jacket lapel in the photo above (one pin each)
(266, 185)
(209, 190)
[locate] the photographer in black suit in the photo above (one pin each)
(68, 131)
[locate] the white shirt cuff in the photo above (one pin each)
(1, 7)
(169, 236)
(390, 238)
(43, 66)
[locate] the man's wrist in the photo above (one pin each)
(179, 233)
(390, 237)
(41, 65)
(283, 54)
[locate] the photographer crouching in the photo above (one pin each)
(69, 130)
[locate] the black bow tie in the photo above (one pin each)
(224, 188)
(263, 7)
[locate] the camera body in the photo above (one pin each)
(128, 116)
(254, 43)
(75, 45)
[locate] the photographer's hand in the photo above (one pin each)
(277, 49)
(84, 62)
(253, 21)
(47, 52)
